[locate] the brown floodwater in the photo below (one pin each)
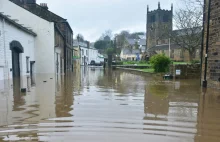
(93, 105)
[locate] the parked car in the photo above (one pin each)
(93, 63)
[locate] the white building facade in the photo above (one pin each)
(84, 56)
(44, 43)
(17, 58)
(95, 56)
(84, 52)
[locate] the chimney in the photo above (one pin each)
(44, 5)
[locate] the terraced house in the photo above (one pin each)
(211, 45)
(63, 33)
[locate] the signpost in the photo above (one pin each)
(178, 72)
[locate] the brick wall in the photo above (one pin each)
(213, 69)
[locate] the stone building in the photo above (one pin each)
(62, 26)
(211, 45)
(174, 52)
(157, 21)
(159, 40)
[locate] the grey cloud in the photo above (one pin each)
(92, 17)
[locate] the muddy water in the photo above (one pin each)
(93, 105)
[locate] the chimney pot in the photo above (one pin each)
(44, 5)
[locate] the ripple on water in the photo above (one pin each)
(98, 106)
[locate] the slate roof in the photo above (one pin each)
(142, 42)
(18, 25)
(139, 41)
(187, 31)
(164, 47)
(130, 52)
(81, 44)
(142, 36)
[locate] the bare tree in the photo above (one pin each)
(80, 37)
(121, 39)
(188, 22)
(105, 34)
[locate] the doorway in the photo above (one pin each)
(16, 49)
(16, 70)
(32, 73)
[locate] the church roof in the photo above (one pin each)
(164, 47)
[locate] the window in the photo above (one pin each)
(165, 18)
(27, 64)
(172, 54)
(82, 52)
(153, 19)
(181, 53)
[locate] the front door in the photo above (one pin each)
(32, 73)
(84, 60)
(16, 70)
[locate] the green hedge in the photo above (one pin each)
(160, 63)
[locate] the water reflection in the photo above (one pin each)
(64, 96)
(105, 105)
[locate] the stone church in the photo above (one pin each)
(159, 25)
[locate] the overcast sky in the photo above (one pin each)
(91, 18)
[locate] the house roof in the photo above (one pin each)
(43, 13)
(142, 42)
(130, 51)
(164, 47)
(142, 36)
(187, 31)
(131, 41)
(81, 44)
(18, 25)
(139, 41)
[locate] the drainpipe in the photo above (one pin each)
(207, 46)
(5, 59)
(202, 43)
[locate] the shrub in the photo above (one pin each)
(117, 63)
(160, 63)
(143, 62)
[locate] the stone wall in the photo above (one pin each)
(213, 66)
(186, 71)
(179, 54)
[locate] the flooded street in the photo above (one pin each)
(93, 105)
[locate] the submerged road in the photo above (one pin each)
(93, 105)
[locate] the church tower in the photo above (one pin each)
(158, 26)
